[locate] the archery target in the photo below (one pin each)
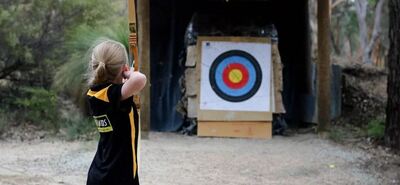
(235, 76)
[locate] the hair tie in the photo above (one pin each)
(101, 63)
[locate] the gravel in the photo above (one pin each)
(171, 159)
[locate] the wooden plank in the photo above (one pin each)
(191, 56)
(236, 129)
(216, 115)
(277, 79)
(192, 81)
(192, 108)
(272, 92)
(144, 58)
(198, 67)
(234, 39)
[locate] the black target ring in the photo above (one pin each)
(224, 61)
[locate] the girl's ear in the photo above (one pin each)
(125, 68)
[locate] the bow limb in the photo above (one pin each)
(133, 32)
(133, 40)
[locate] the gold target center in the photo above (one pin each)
(235, 76)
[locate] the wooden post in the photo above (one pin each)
(143, 12)
(324, 67)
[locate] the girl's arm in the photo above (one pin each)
(135, 81)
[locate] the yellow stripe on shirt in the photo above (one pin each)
(101, 95)
(133, 137)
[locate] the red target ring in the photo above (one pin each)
(235, 75)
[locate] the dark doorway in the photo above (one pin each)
(169, 20)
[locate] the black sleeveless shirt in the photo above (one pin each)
(115, 162)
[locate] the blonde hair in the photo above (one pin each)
(106, 61)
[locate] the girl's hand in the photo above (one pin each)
(133, 85)
(127, 71)
(126, 74)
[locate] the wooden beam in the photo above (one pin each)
(143, 16)
(324, 67)
(261, 130)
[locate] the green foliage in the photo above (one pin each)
(337, 135)
(345, 132)
(344, 26)
(33, 34)
(37, 37)
(38, 106)
(79, 127)
(376, 128)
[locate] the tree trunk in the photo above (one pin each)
(324, 67)
(367, 44)
(392, 132)
(361, 9)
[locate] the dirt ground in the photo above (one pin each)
(171, 159)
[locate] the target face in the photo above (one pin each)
(235, 76)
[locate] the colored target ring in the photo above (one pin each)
(235, 76)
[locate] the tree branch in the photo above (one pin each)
(337, 2)
(334, 43)
(10, 69)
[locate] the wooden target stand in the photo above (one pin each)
(225, 123)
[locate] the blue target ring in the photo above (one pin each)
(247, 63)
(219, 78)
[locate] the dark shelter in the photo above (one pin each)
(169, 20)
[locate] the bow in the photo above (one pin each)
(133, 32)
(133, 39)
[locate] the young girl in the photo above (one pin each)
(112, 86)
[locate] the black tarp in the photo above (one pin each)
(169, 20)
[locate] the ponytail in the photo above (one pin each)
(106, 61)
(100, 73)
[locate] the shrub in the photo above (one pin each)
(337, 134)
(376, 128)
(38, 106)
(4, 120)
(75, 124)
(79, 127)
